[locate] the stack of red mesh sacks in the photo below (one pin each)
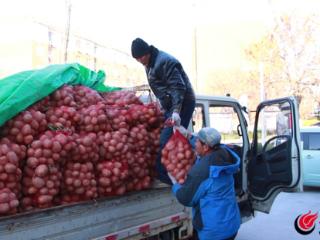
(113, 169)
(79, 180)
(11, 157)
(42, 172)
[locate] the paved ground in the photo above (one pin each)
(279, 224)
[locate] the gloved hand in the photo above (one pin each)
(176, 118)
(182, 130)
(173, 180)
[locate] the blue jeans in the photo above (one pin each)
(185, 115)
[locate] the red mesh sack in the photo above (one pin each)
(178, 156)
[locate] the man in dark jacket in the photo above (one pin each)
(209, 188)
(170, 84)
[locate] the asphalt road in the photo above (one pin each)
(279, 224)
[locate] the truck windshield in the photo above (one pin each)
(225, 119)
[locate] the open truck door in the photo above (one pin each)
(274, 159)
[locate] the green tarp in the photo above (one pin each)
(19, 91)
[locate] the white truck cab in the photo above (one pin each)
(270, 150)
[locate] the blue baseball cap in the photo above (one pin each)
(209, 136)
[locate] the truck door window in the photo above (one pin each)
(305, 141)
(274, 126)
(198, 120)
(313, 141)
(225, 119)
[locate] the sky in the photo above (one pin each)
(153, 18)
(226, 27)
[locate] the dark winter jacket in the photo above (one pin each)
(168, 81)
(209, 190)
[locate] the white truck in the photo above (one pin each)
(270, 164)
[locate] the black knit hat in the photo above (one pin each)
(139, 48)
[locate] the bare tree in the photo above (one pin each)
(297, 40)
(290, 52)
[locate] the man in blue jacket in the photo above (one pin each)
(209, 188)
(170, 84)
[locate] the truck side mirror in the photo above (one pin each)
(244, 108)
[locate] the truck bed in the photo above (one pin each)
(92, 219)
